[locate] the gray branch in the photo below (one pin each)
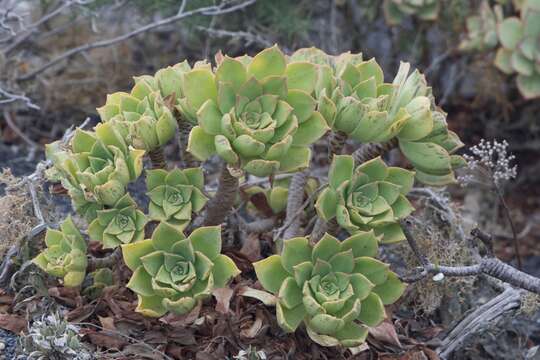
(488, 266)
(206, 11)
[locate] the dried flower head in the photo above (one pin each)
(489, 160)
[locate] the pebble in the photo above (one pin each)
(8, 344)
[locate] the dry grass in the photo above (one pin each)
(16, 213)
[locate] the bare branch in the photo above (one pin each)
(206, 11)
(487, 265)
(15, 128)
(10, 98)
(250, 38)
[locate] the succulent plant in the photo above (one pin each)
(431, 156)
(53, 338)
(174, 273)
(174, 195)
(257, 113)
(368, 197)
(65, 255)
(335, 288)
(482, 29)
(397, 10)
(354, 100)
(141, 116)
(101, 278)
(96, 169)
(121, 224)
(520, 51)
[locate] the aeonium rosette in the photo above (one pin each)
(65, 255)
(257, 113)
(335, 288)
(174, 273)
(368, 197)
(175, 194)
(121, 224)
(96, 168)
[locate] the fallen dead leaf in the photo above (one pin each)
(13, 323)
(386, 333)
(182, 320)
(107, 340)
(253, 330)
(223, 299)
(107, 323)
(264, 296)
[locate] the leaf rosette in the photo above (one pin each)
(121, 224)
(337, 289)
(370, 197)
(175, 195)
(354, 100)
(65, 255)
(96, 168)
(257, 113)
(174, 273)
(141, 116)
(520, 50)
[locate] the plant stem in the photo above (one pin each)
(295, 199)
(220, 205)
(157, 158)
(184, 128)
(512, 226)
(336, 142)
(372, 150)
(105, 262)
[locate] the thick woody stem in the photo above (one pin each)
(157, 158)
(321, 227)
(220, 205)
(371, 151)
(106, 262)
(336, 142)
(294, 203)
(184, 128)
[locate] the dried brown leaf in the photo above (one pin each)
(223, 299)
(107, 340)
(13, 323)
(386, 333)
(182, 320)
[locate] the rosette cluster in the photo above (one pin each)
(337, 289)
(175, 195)
(95, 168)
(142, 116)
(520, 50)
(257, 114)
(65, 255)
(355, 100)
(368, 197)
(174, 273)
(121, 224)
